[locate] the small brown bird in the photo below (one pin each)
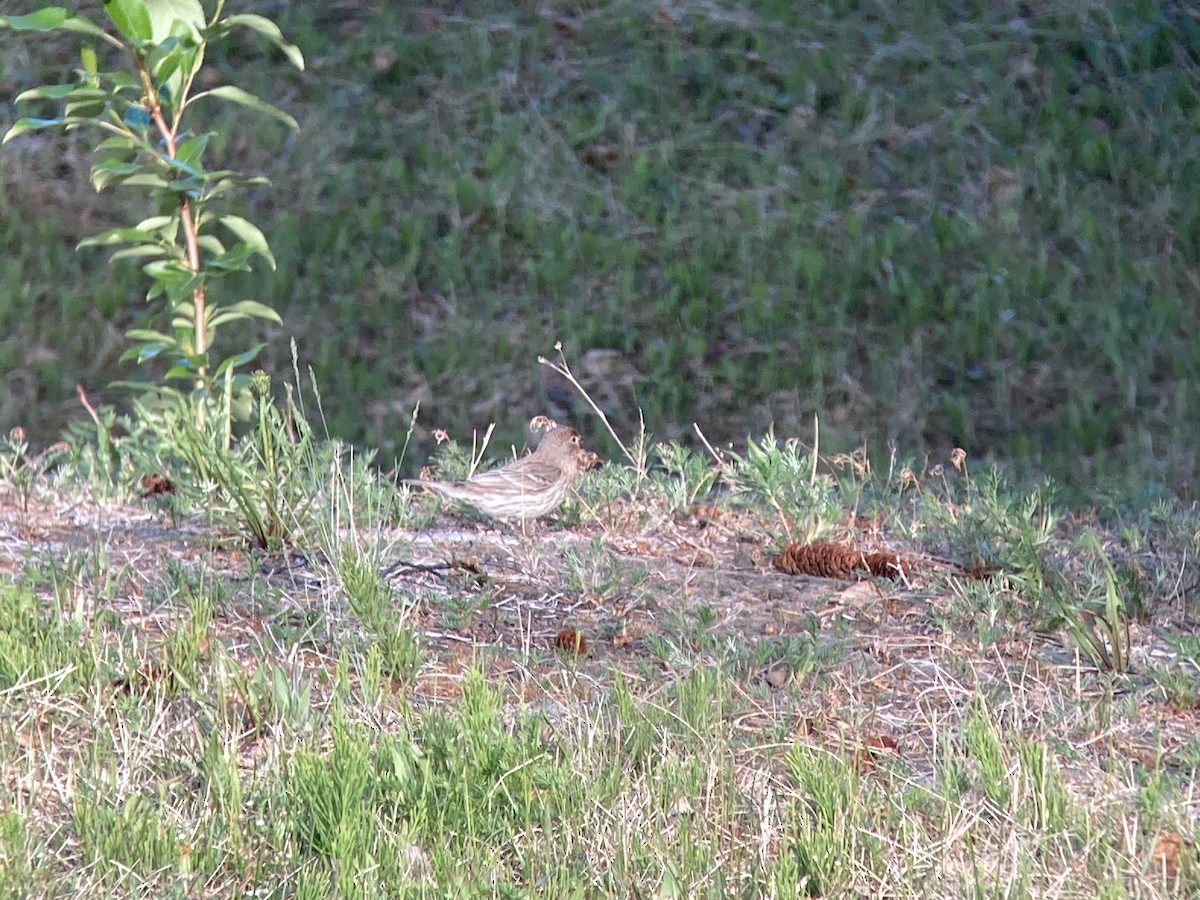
(528, 488)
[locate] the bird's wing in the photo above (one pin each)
(534, 476)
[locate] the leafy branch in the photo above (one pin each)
(142, 112)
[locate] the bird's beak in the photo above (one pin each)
(589, 460)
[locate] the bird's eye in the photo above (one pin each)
(574, 439)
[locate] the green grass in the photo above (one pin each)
(959, 225)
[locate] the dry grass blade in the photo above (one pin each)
(563, 369)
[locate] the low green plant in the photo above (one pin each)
(329, 793)
(143, 110)
(133, 835)
(16, 871)
(989, 758)
(690, 476)
(21, 469)
(1187, 646)
(1046, 801)
(182, 654)
(785, 477)
(595, 572)
(990, 523)
(699, 702)
(829, 838)
(262, 481)
(1099, 625)
(396, 648)
(271, 696)
(1086, 600)
(602, 493)
(1181, 688)
(988, 520)
(38, 648)
(92, 450)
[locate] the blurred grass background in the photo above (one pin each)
(934, 225)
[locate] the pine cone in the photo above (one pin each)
(825, 560)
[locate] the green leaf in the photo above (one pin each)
(190, 151)
(244, 309)
(149, 335)
(182, 371)
(239, 359)
(108, 170)
(195, 177)
(237, 95)
(165, 13)
(192, 186)
(87, 56)
(210, 244)
(176, 59)
(86, 109)
(146, 180)
(180, 63)
(60, 91)
(218, 173)
(186, 288)
(155, 223)
(55, 18)
(132, 19)
(185, 313)
(117, 142)
(167, 271)
(144, 352)
(116, 236)
(141, 251)
(225, 185)
(250, 235)
(235, 260)
(47, 19)
(271, 32)
(25, 124)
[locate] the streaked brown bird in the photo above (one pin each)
(527, 488)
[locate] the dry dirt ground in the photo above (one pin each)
(884, 663)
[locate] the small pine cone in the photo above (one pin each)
(980, 571)
(156, 484)
(825, 560)
(884, 565)
(571, 640)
